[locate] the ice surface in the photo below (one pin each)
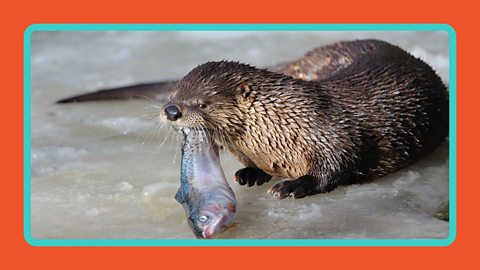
(105, 170)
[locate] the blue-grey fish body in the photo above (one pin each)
(208, 200)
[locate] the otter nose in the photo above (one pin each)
(173, 112)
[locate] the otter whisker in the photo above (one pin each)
(211, 136)
(175, 156)
(211, 128)
(159, 126)
(230, 142)
(149, 99)
(151, 133)
(166, 137)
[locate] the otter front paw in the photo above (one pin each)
(250, 176)
(303, 186)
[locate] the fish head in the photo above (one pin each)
(210, 219)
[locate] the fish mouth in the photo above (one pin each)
(207, 235)
(215, 228)
(210, 231)
(219, 225)
(221, 220)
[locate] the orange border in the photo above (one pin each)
(16, 17)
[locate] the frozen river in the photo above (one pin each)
(100, 170)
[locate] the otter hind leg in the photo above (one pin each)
(304, 186)
(251, 176)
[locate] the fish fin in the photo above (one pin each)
(179, 197)
(156, 91)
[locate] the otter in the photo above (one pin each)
(344, 113)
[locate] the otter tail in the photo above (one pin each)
(156, 91)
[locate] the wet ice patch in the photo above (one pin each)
(157, 187)
(123, 186)
(427, 191)
(123, 125)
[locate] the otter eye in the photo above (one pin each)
(202, 105)
(203, 219)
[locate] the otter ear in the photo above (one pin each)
(245, 89)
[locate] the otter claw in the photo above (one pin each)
(251, 176)
(285, 189)
(296, 189)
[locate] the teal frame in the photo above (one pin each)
(242, 27)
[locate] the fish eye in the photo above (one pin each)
(203, 219)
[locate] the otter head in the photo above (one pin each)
(210, 97)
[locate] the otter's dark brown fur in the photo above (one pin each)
(343, 113)
(346, 112)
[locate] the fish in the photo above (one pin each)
(208, 200)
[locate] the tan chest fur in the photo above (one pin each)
(275, 141)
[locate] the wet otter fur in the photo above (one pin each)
(372, 110)
(343, 113)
